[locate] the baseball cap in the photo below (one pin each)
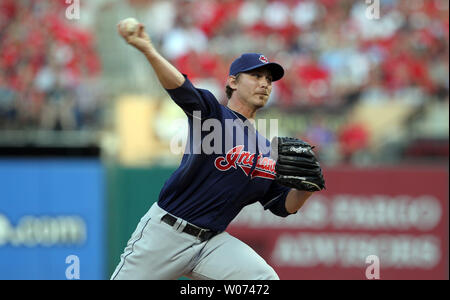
(250, 61)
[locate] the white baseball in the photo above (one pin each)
(130, 25)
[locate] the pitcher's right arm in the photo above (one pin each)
(168, 75)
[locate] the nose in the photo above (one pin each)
(264, 81)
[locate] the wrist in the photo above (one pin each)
(295, 200)
(149, 51)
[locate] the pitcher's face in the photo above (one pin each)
(254, 87)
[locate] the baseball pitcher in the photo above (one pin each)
(183, 233)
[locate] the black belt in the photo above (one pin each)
(200, 233)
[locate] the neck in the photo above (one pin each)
(245, 110)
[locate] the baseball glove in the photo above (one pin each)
(297, 166)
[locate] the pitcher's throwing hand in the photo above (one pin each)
(134, 34)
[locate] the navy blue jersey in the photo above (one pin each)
(210, 189)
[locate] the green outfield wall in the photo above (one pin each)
(130, 193)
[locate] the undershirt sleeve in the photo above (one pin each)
(275, 199)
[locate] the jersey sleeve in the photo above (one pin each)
(191, 99)
(275, 199)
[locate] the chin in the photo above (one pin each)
(261, 103)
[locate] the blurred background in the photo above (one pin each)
(86, 129)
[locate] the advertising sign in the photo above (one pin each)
(393, 221)
(51, 219)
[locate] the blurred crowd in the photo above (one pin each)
(336, 53)
(48, 67)
(332, 49)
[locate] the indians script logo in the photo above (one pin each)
(263, 59)
(265, 166)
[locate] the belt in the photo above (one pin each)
(200, 233)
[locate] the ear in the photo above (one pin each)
(232, 82)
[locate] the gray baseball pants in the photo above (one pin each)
(157, 250)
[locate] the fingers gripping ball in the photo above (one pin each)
(134, 34)
(129, 26)
(297, 166)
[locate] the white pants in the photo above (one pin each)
(157, 250)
